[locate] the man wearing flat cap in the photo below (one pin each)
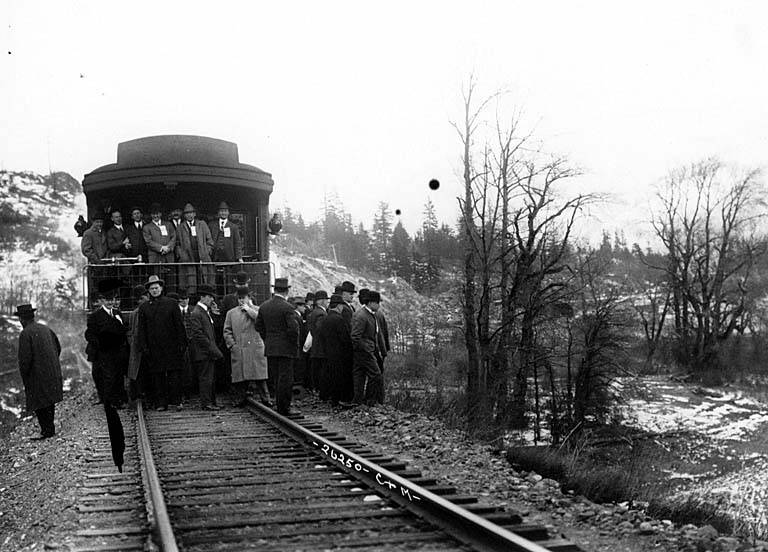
(162, 340)
(39, 351)
(279, 327)
(106, 334)
(193, 245)
(227, 244)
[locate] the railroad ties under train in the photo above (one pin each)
(251, 479)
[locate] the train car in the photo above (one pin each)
(175, 170)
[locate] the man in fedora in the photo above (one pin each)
(316, 352)
(193, 245)
(162, 340)
(227, 244)
(39, 351)
(106, 334)
(279, 327)
(203, 350)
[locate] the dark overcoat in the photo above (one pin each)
(202, 341)
(161, 334)
(366, 341)
(115, 246)
(314, 322)
(138, 245)
(337, 343)
(346, 312)
(108, 349)
(279, 326)
(39, 351)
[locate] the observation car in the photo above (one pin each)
(175, 170)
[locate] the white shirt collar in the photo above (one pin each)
(120, 227)
(202, 305)
(369, 310)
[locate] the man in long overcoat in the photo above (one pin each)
(278, 325)
(203, 350)
(106, 334)
(347, 294)
(333, 333)
(316, 351)
(137, 362)
(193, 245)
(246, 348)
(162, 340)
(39, 351)
(367, 343)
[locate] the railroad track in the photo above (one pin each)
(237, 479)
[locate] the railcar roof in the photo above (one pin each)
(177, 158)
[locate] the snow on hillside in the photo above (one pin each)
(39, 248)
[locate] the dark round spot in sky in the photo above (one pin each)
(434, 184)
(9, 52)
(398, 212)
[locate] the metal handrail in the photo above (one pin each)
(463, 525)
(160, 512)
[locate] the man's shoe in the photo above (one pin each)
(42, 436)
(348, 405)
(211, 407)
(161, 408)
(290, 412)
(241, 404)
(178, 407)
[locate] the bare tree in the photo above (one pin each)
(705, 223)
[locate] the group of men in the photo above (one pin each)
(182, 239)
(166, 344)
(344, 346)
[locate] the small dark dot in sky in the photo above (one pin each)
(434, 184)
(398, 212)
(9, 52)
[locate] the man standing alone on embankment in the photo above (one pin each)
(39, 351)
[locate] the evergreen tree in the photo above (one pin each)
(382, 236)
(399, 252)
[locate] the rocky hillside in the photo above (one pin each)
(40, 259)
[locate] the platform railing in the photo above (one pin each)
(177, 277)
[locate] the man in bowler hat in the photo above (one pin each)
(162, 339)
(39, 351)
(203, 350)
(347, 294)
(106, 333)
(279, 327)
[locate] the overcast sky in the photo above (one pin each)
(356, 97)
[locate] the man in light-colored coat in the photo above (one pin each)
(160, 237)
(39, 351)
(94, 243)
(246, 347)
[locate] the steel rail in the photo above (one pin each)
(162, 522)
(461, 524)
